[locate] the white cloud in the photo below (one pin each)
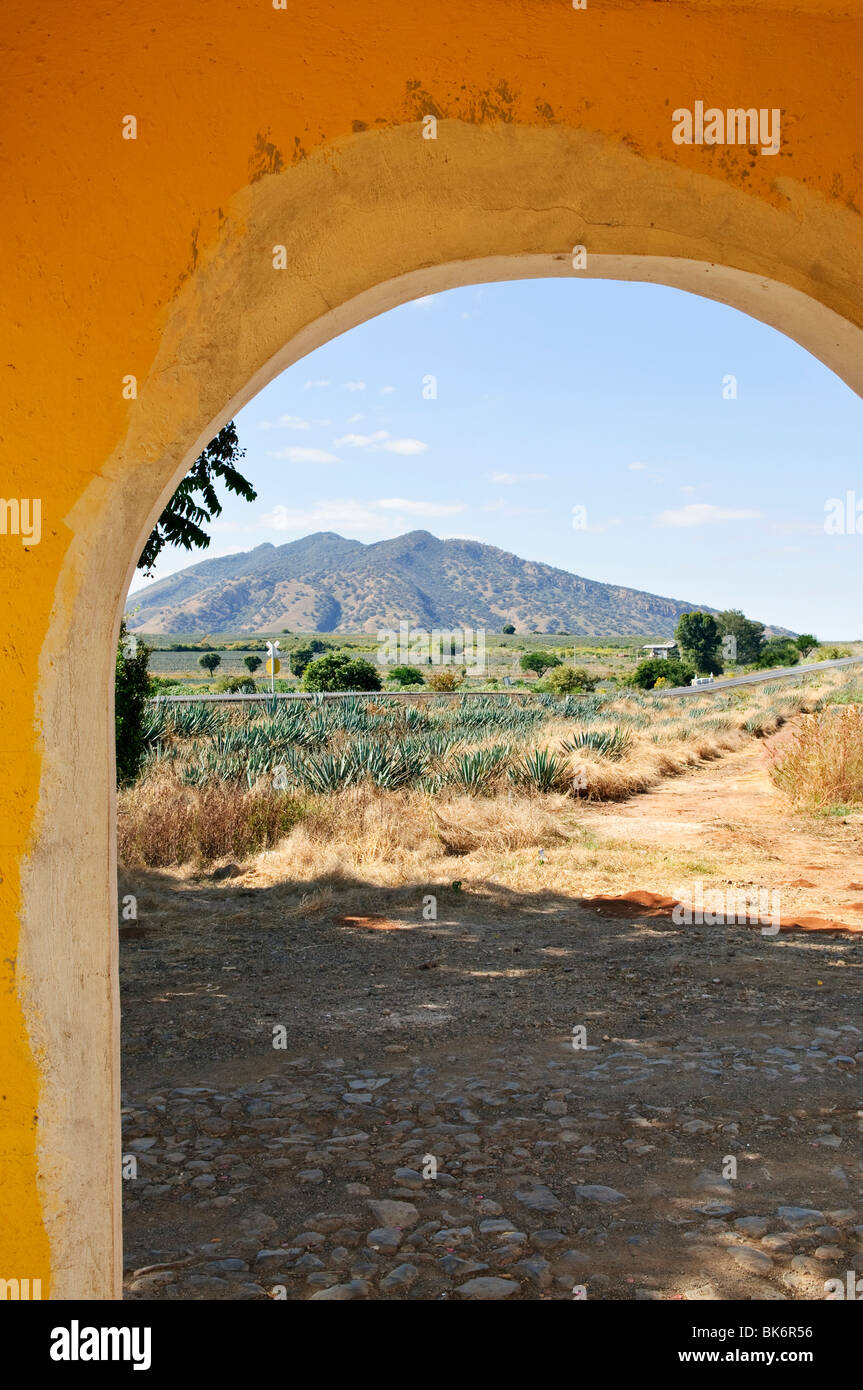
(509, 479)
(701, 514)
(381, 440)
(360, 441)
(355, 386)
(637, 467)
(404, 446)
(303, 455)
(312, 385)
(287, 422)
(387, 390)
(348, 513)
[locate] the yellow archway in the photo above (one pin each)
(312, 215)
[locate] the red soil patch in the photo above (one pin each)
(854, 887)
(645, 904)
(372, 923)
(823, 924)
(641, 903)
(799, 883)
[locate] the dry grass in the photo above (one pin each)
(161, 822)
(823, 766)
(164, 822)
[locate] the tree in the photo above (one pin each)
(196, 501)
(748, 633)
(132, 689)
(568, 680)
(299, 659)
(697, 635)
(508, 628)
(336, 672)
(407, 675)
(779, 651)
(251, 663)
(805, 643)
(209, 661)
(667, 669)
(540, 662)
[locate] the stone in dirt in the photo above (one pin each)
(539, 1198)
(385, 1238)
(756, 1260)
(595, 1192)
(752, 1225)
(455, 1267)
(796, 1217)
(399, 1278)
(487, 1287)
(391, 1213)
(341, 1293)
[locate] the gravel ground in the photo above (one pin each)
(379, 1106)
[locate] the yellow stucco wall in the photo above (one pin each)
(302, 127)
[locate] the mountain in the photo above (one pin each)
(324, 583)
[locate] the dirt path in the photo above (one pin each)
(287, 1079)
(732, 812)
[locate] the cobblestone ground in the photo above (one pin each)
(705, 1143)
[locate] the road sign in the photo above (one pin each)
(273, 669)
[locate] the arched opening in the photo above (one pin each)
(235, 323)
(642, 964)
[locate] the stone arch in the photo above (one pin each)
(369, 222)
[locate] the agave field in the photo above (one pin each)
(223, 780)
(326, 746)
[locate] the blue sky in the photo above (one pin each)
(560, 394)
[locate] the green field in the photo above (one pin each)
(603, 659)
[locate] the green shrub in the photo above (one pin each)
(567, 680)
(299, 659)
(335, 672)
(672, 671)
(235, 685)
(406, 675)
(778, 651)
(132, 689)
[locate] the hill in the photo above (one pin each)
(324, 583)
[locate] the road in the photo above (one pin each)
(778, 673)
